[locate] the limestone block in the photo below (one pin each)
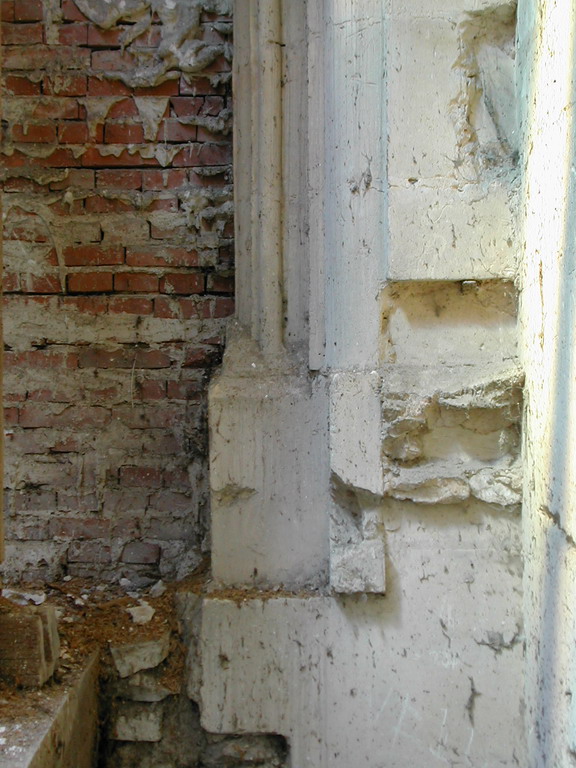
(450, 8)
(357, 552)
(358, 567)
(143, 686)
(132, 658)
(189, 609)
(422, 83)
(450, 324)
(355, 427)
(29, 645)
(265, 751)
(352, 218)
(450, 434)
(342, 678)
(269, 479)
(502, 487)
(137, 722)
(466, 233)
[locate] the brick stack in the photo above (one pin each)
(117, 281)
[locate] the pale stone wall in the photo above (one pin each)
(547, 45)
(380, 476)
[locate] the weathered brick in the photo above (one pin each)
(42, 284)
(73, 34)
(163, 179)
(177, 480)
(110, 194)
(119, 179)
(33, 415)
(191, 307)
(123, 358)
(146, 417)
(104, 38)
(223, 307)
(183, 390)
(171, 502)
(112, 61)
(135, 282)
(22, 34)
(99, 204)
(67, 84)
(34, 133)
(123, 133)
(100, 86)
(7, 10)
(182, 282)
(74, 528)
(93, 255)
(169, 530)
(152, 390)
(141, 477)
(141, 552)
(90, 282)
(130, 305)
(28, 10)
(11, 416)
(70, 11)
(88, 305)
(55, 108)
(187, 106)
(220, 283)
(161, 256)
(167, 88)
(73, 133)
(40, 358)
(43, 56)
(75, 177)
(38, 500)
(200, 358)
(175, 131)
(88, 552)
(93, 158)
(21, 86)
(122, 109)
(170, 204)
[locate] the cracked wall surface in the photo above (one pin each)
(118, 266)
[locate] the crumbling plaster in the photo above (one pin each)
(117, 279)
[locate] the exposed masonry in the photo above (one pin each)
(148, 722)
(118, 276)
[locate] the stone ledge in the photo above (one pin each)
(62, 737)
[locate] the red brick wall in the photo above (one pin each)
(118, 255)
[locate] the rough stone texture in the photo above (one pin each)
(147, 654)
(117, 279)
(29, 646)
(151, 726)
(134, 721)
(143, 686)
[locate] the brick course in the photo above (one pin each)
(113, 285)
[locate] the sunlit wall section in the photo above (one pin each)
(547, 61)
